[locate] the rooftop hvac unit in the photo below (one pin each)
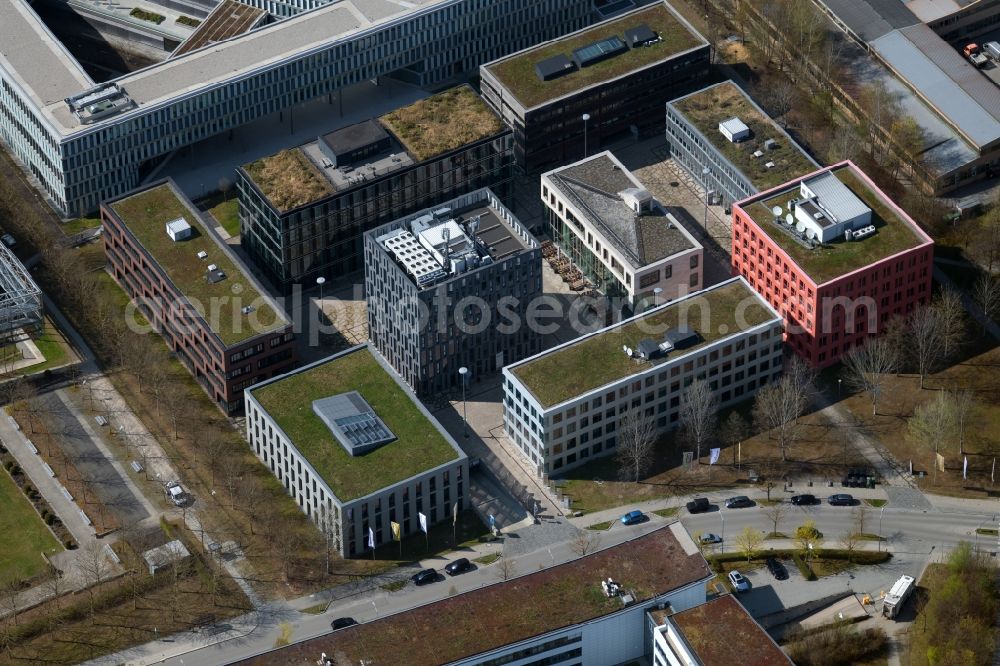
(770, 144)
(178, 229)
(769, 165)
(202, 254)
(757, 153)
(212, 267)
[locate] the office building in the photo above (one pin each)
(835, 256)
(85, 142)
(212, 314)
(621, 239)
(618, 73)
(450, 288)
(564, 407)
(303, 211)
(356, 450)
(721, 129)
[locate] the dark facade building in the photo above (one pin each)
(619, 73)
(450, 288)
(303, 211)
(213, 315)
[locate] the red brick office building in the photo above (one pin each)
(212, 314)
(835, 256)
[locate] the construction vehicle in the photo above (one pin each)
(970, 49)
(901, 590)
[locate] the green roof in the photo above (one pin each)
(707, 108)
(442, 122)
(419, 445)
(517, 73)
(598, 359)
(894, 233)
(288, 179)
(146, 215)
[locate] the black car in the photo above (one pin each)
(776, 568)
(803, 500)
(459, 566)
(841, 499)
(343, 623)
(738, 502)
(698, 505)
(424, 577)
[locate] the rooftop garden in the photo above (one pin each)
(442, 122)
(745, 643)
(707, 108)
(288, 179)
(598, 360)
(146, 215)
(517, 73)
(504, 613)
(418, 446)
(827, 262)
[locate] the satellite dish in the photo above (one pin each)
(777, 211)
(800, 227)
(789, 219)
(810, 234)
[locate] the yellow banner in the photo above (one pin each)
(395, 530)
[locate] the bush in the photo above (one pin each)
(152, 17)
(839, 646)
(45, 514)
(70, 544)
(803, 567)
(8, 464)
(49, 519)
(187, 20)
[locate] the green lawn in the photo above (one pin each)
(877, 503)
(227, 215)
(669, 512)
(600, 527)
(80, 224)
(25, 535)
(50, 343)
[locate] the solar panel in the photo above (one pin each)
(598, 51)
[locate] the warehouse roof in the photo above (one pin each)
(870, 19)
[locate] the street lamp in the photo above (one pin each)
(880, 513)
(464, 372)
(585, 117)
(321, 281)
(839, 382)
(704, 182)
(722, 537)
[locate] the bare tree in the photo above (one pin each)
(10, 597)
(925, 340)
(93, 563)
(869, 366)
(733, 431)
(779, 98)
(252, 498)
(846, 144)
(776, 409)
(748, 541)
(931, 424)
(986, 293)
(849, 541)
(775, 513)
(803, 379)
(954, 320)
(636, 437)
(860, 516)
(506, 568)
(992, 236)
(585, 542)
(176, 405)
(963, 406)
(698, 414)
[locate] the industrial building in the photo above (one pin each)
(835, 256)
(303, 211)
(85, 142)
(212, 314)
(621, 239)
(567, 97)
(565, 406)
(450, 288)
(719, 128)
(356, 450)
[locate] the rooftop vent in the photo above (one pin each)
(554, 67)
(592, 54)
(212, 267)
(770, 144)
(641, 35)
(178, 229)
(757, 153)
(735, 130)
(769, 165)
(202, 254)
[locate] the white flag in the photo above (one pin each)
(371, 538)
(423, 523)
(965, 468)
(714, 457)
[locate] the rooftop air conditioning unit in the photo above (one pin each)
(202, 254)
(212, 267)
(769, 165)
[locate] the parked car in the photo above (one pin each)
(803, 500)
(738, 502)
(841, 499)
(176, 494)
(776, 568)
(633, 517)
(424, 577)
(343, 623)
(459, 566)
(739, 581)
(698, 505)
(710, 538)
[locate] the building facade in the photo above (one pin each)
(298, 242)
(451, 288)
(565, 406)
(347, 493)
(543, 92)
(217, 320)
(835, 293)
(622, 240)
(85, 143)
(766, 156)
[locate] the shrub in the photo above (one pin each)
(840, 646)
(8, 464)
(187, 20)
(70, 544)
(152, 17)
(49, 519)
(803, 567)
(15, 470)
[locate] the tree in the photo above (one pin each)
(10, 596)
(94, 567)
(506, 568)
(748, 541)
(776, 409)
(775, 513)
(733, 431)
(849, 542)
(636, 437)
(585, 542)
(808, 538)
(953, 316)
(986, 293)
(925, 340)
(697, 415)
(779, 98)
(963, 404)
(846, 144)
(931, 424)
(868, 367)
(860, 516)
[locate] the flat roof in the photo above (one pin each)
(596, 360)
(932, 10)
(504, 613)
(146, 214)
(951, 85)
(289, 179)
(895, 231)
(721, 632)
(870, 19)
(708, 107)
(594, 185)
(517, 72)
(229, 19)
(420, 445)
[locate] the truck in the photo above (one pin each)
(970, 49)
(898, 594)
(979, 60)
(992, 49)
